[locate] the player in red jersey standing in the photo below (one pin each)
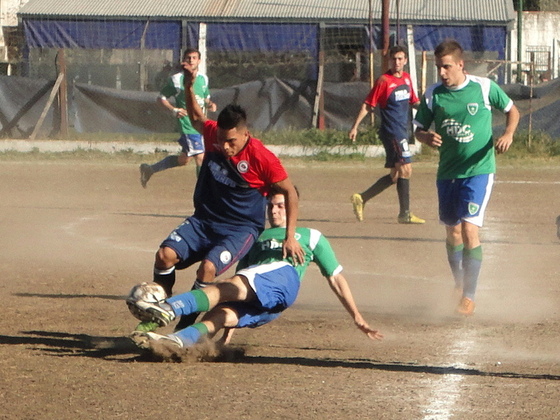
(392, 94)
(229, 200)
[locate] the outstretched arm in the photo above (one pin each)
(193, 109)
(340, 287)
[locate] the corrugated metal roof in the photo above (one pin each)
(427, 11)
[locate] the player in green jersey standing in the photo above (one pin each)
(460, 108)
(265, 285)
(192, 144)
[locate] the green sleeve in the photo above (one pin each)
(169, 90)
(424, 116)
(498, 98)
(324, 256)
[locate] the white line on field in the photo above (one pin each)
(529, 182)
(445, 391)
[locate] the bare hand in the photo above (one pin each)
(291, 248)
(503, 143)
(212, 107)
(367, 330)
(431, 138)
(181, 113)
(352, 134)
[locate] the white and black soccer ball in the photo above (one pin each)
(146, 292)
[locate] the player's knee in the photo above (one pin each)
(183, 159)
(406, 172)
(206, 271)
(222, 317)
(166, 258)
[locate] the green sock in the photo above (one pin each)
(455, 258)
(187, 303)
(472, 261)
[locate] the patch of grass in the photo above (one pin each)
(537, 145)
(314, 137)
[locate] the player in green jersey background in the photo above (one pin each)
(191, 141)
(460, 109)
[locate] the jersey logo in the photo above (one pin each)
(243, 166)
(225, 257)
(175, 237)
(472, 108)
(461, 133)
(473, 208)
(402, 95)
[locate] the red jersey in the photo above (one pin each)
(393, 95)
(233, 190)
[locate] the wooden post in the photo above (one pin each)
(47, 106)
(63, 96)
(318, 120)
(424, 71)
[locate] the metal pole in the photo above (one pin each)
(519, 41)
(385, 30)
(371, 58)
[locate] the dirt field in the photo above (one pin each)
(76, 236)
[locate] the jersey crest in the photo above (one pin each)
(242, 166)
(472, 108)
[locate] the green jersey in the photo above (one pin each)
(463, 119)
(268, 248)
(174, 88)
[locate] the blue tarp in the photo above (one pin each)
(259, 37)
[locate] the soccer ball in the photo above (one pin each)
(147, 292)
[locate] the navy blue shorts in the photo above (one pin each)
(195, 240)
(464, 199)
(276, 286)
(191, 144)
(396, 151)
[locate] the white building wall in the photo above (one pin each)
(539, 29)
(8, 18)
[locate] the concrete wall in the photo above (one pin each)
(540, 29)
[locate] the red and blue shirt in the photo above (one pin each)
(393, 96)
(233, 190)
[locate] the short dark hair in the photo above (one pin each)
(449, 47)
(397, 49)
(274, 190)
(190, 51)
(232, 116)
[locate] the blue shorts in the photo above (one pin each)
(276, 286)
(396, 151)
(195, 240)
(464, 199)
(191, 144)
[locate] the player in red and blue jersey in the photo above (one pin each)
(392, 94)
(229, 199)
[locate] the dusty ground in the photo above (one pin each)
(76, 236)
